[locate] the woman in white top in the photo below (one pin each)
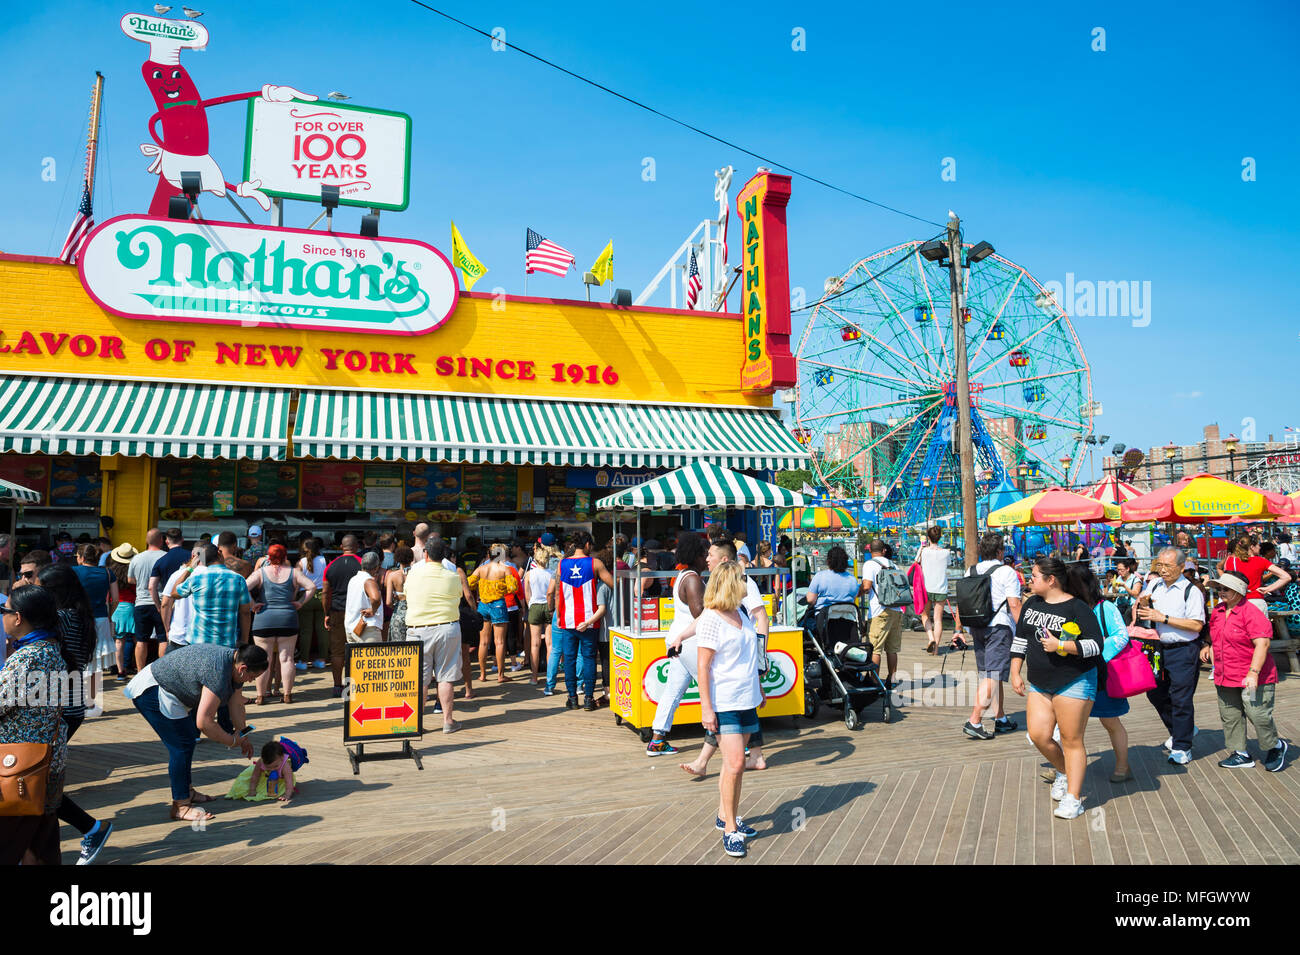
(688, 603)
(934, 569)
(312, 635)
(729, 691)
(537, 581)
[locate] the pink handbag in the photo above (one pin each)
(1129, 673)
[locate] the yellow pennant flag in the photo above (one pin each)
(461, 257)
(604, 267)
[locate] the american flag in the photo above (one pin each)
(543, 255)
(693, 283)
(81, 227)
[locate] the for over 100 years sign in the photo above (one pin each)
(294, 148)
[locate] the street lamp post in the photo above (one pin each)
(1230, 442)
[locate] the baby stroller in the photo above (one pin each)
(837, 664)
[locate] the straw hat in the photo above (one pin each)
(123, 553)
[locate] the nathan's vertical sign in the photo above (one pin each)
(766, 293)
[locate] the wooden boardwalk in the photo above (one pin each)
(527, 781)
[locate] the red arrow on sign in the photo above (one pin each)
(402, 712)
(361, 714)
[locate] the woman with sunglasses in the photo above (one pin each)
(31, 630)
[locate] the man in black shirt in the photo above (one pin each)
(338, 575)
(171, 561)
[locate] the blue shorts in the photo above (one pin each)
(1083, 688)
(738, 722)
(494, 611)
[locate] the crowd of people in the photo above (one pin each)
(186, 625)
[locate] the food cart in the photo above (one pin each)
(638, 658)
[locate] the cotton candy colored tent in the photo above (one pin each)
(1203, 497)
(1053, 506)
(1112, 490)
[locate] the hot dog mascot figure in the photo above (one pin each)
(182, 113)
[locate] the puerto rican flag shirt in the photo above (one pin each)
(575, 592)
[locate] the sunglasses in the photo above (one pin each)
(28, 575)
(4, 610)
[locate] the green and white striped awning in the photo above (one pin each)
(156, 418)
(11, 493)
(702, 485)
(491, 430)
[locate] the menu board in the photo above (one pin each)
(194, 483)
(560, 498)
(334, 486)
(384, 487)
(433, 486)
(491, 487)
(75, 482)
(31, 471)
(267, 485)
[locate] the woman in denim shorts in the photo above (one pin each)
(729, 691)
(1059, 637)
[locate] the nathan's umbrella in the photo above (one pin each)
(1203, 497)
(816, 519)
(1053, 506)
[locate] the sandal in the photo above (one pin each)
(200, 798)
(259, 701)
(288, 698)
(932, 648)
(183, 812)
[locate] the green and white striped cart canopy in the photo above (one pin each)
(702, 485)
(11, 493)
(378, 426)
(89, 416)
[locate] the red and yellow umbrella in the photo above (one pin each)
(1053, 506)
(1203, 497)
(816, 518)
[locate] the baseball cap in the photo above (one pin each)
(547, 539)
(255, 530)
(1232, 582)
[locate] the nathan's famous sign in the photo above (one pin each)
(143, 267)
(154, 267)
(765, 292)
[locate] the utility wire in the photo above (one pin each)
(853, 288)
(673, 119)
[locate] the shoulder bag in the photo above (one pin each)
(1129, 673)
(25, 774)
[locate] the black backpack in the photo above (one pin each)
(975, 598)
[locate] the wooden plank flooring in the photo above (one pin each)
(528, 782)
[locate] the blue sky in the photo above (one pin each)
(1117, 165)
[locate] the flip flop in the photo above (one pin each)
(190, 813)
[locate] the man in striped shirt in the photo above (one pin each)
(222, 607)
(572, 595)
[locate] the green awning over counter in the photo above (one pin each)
(702, 485)
(376, 426)
(156, 418)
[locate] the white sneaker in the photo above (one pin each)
(1180, 756)
(1169, 743)
(1070, 808)
(1059, 788)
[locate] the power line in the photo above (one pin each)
(672, 119)
(853, 288)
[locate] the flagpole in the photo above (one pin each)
(92, 141)
(525, 264)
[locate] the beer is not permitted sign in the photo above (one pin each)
(386, 697)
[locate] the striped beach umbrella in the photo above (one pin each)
(816, 518)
